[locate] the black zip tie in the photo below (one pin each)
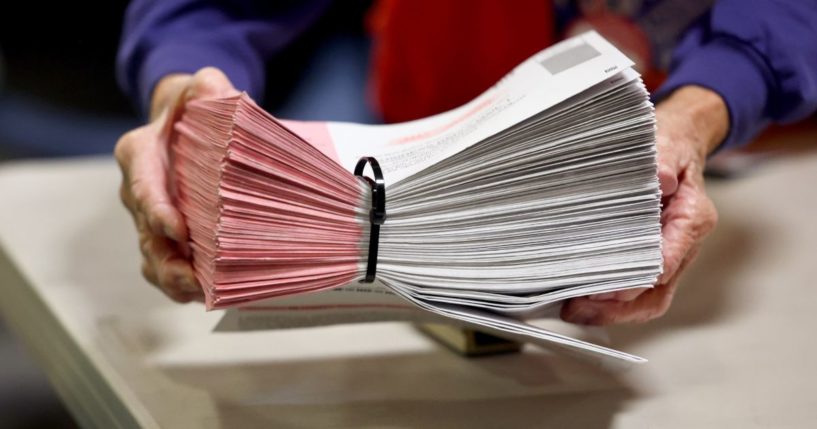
(377, 215)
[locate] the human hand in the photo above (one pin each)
(142, 155)
(691, 123)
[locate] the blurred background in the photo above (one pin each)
(58, 93)
(59, 98)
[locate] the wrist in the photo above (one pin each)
(702, 110)
(166, 92)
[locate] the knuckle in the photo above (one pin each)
(208, 81)
(144, 245)
(205, 71)
(169, 282)
(207, 76)
(124, 195)
(704, 215)
(123, 149)
(148, 273)
(120, 151)
(140, 193)
(141, 224)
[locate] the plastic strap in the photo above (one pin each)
(377, 215)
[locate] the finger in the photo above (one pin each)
(183, 298)
(648, 305)
(123, 152)
(174, 273)
(210, 82)
(620, 295)
(145, 236)
(177, 274)
(150, 196)
(178, 296)
(688, 218)
(148, 272)
(667, 180)
(142, 158)
(164, 218)
(677, 240)
(126, 198)
(669, 166)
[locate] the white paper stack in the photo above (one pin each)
(541, 189)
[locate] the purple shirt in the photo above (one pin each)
(759, 55)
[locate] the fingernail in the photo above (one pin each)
(602, 296)
(584, 315)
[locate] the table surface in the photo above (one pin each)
(736, 350)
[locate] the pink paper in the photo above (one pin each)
(270, 212)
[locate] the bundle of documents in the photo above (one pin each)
(541, 189)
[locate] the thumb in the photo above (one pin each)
(210, 82)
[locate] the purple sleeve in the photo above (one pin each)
(181, 36)
(759, 55)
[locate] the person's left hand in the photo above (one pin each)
(691, 123)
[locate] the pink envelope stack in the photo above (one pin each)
(268, 213)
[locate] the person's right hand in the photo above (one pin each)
(142, 154)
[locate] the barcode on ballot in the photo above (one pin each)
(570, 57)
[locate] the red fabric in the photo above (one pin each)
(433, 55)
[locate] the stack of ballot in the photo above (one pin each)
(541, 189)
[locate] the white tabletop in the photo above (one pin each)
(736, 350)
